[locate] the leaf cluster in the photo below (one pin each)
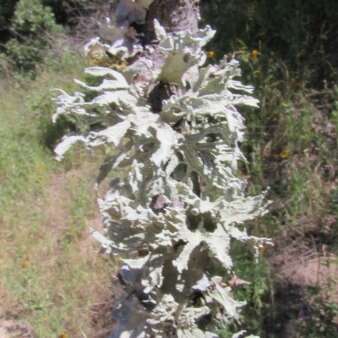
(176, 202)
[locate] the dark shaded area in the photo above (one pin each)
(6, 12)
(302, 33)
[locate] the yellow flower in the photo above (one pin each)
(284, 154)
(254, 55)
(25, 263)
(211, 54)
(63, 335)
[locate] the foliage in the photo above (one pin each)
(31, 17)
(31, 27)
(175, 202)
(280, 44)
(323, 319)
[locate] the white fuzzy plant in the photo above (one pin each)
(175, 202)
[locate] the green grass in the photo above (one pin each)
(49, 266)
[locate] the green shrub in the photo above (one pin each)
(24, 56)
(32, 26)
(32, 17)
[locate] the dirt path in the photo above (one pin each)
(62, 276)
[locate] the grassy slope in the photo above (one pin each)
(50, 273)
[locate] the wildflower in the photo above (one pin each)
(24, 263)
(63, 335)
(211, 54)
(254, 55)
(284, 154)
